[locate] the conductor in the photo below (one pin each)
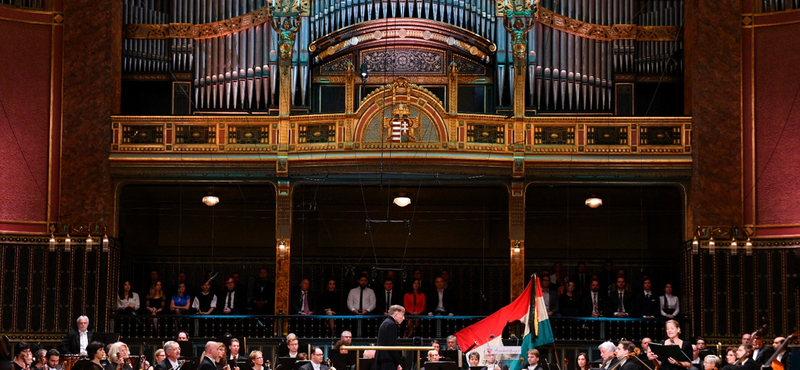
(387, 336)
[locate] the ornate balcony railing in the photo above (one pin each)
(322, 327)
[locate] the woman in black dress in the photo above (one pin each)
(673, 330)
(330, 301)
(155, 304)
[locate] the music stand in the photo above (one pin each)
(300, 363)
(187, 349)
(244, 365)
(105, 338)
(365, 363)
(440, 365)
(285, 363)
(665, 352)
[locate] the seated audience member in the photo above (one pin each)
(23, 358)
(645, 302)
(330, 304)
(569, 303)
(206, 302)
(181, 303)
(593, 301)
(257, 358)
(127, 301)
(670, 304)
(620, 300)
(233, 298)
(533, 360)
(183, 336)
(263, 293)
(159, 356)
(304, 302)
(361, 299)
(441, 300)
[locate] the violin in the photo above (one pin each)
(760, 334)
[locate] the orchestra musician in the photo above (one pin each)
(23, 357)
(782, 356)
(711, 362)
(76, 341)
(607, 353)
(760, 353)
(745, 362)
(96, 353)
(625, 350)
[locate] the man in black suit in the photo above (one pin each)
(303, 301)
(747, 364)
(624, 348)
(581, 278)
(607, 353)
(233, 299)
(619, 301)
(533, 360)
(763, 353)
(263, 293)
(593, 302)
(645, 303)
(387, 336)
(212, 352)
(76, 341)
(440, 301)
(234, 356)
(51, 360)
(394, 297)
(173, 351)
(317, 355)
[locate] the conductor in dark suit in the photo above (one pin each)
(387, 336)
(76, 341)
(212, 352)
(317, 355)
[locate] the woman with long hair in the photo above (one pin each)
(155, 304)
(330, 300)
(127, 300)
(582, 362)
(670, 304)
(414, 303)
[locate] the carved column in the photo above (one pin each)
(283, 234)
(516, 234)
(452, 86)
(519, 89)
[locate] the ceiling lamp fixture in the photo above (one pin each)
(594, 202)
(402, 200)
(210, 200)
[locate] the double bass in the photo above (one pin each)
(773, 360)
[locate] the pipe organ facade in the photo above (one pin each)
(573, 56)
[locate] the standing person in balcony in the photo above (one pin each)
(155, 305)
(127, 301)
(670, 304)
(414, 303)
(361, 299)
(330, 302)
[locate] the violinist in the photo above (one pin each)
(118, 357)
(607, 353)
(744, 361)
(711, 362)
(673, 329)
(23, 357)
(730, 355)
(625, 350)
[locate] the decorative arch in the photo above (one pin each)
(422, 105)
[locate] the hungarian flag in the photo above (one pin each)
(537, 328)
(489, 331)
